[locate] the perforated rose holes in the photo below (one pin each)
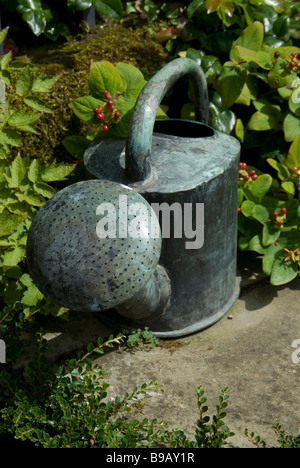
(93, 245)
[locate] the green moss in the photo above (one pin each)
(72, 61)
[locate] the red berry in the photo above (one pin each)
(96, 110)
(275, 214)
(298, 56)
(292, 64)
(105, 127)
(283, 211)
(100, 116)
(117, 115)
(254, 176)
(105, 92)
(293, 54)
(281, 222)
(243, 166)
(110, 103)
(239, 209)
(252, 172)
(246, 177)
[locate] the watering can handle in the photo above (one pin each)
(139, 141)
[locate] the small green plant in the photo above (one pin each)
(138, 336)
(284, 440)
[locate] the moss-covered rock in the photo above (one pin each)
(72, 62)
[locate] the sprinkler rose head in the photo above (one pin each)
(93, 245)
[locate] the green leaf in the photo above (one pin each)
(278, 5)
(76, 5)
(194, 7)
(291, 127)
(240, 130)
(76, 145)
(9, 222)
(44, 189)
(14, 256)
(293, 157)
(22, 118)
(105, 76)
(260, 187)
(283, 272)
(261, 213)
(2, 91)
(270, 235)
(111, 8)
(32, 296)
(134, 81)
(33, 13)
(37, 104)
(17, 172)
(13, 272)
(251, 38)
(34, 171)
(83, 108)
(23, 84)
(42, 84)
(231, 83)
(268, 118)
(26, 280)
(55, 172)
(247, 208)
(283, 172)
(224, 120)
(5, 60)
(281, 26)
(289, 188)
(10, 137)
(269, 258)
(254, 58)
(3, 34)
(33, 198)
(255, 245)
(249, 92)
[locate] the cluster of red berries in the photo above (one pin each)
(293, 60)
(279, 218)
(247, 175)
(106, 113)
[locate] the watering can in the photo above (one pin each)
(150, 239)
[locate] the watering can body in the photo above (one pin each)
(188, 172)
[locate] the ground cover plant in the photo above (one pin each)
(249, 52)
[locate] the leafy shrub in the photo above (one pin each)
(67, 406)
(269, 216)
(25, 185)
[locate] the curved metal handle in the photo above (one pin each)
(138, 146)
